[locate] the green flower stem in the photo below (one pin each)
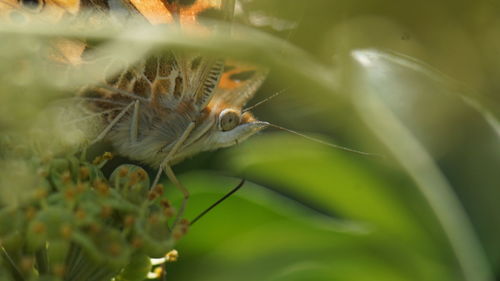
(42, 262)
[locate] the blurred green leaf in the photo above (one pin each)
(259, 234)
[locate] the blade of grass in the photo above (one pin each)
(468, 95)
(420, 166)
(248, 43)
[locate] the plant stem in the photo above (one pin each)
(42, 261)
(16, 273)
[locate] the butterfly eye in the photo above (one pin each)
(228, 119)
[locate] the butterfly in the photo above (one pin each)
(168, 106)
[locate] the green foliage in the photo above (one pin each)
(80, 226)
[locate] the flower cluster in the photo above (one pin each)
(79, 225)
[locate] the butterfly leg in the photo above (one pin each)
(134, 127)
(185, 193)
(165, 166)
(112, 124)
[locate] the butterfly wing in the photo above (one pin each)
(238, 84)
(211, 80)
(182, 11)
(201, 73)
(169, 79)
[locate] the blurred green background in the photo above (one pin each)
(414, 82)
(316, 213)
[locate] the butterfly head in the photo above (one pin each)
(234, 126)
(223, 122)
(223, 126)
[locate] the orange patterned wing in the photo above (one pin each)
(238, 84)
(191, 76)
(227, 82)
(200, 73)
(169, 80)
(187, 12)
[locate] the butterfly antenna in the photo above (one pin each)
(218, 202)
(324, 142)
(264, 100)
